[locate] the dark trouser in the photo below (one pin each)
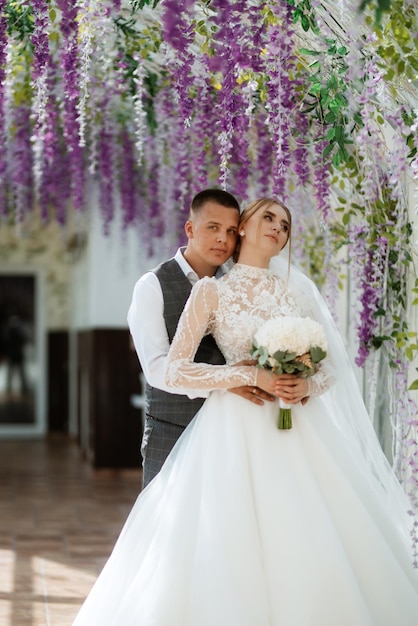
(158, 441)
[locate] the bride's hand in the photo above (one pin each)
(252, 393)
(267, 380)
(292, 388)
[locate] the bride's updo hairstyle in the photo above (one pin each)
(262, 204)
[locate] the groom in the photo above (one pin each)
(158, 300)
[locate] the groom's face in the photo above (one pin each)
(212, 234)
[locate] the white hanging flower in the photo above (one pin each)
(139, 111)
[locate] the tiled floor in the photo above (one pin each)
(58, 522)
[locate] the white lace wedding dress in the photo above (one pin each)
(248, 525)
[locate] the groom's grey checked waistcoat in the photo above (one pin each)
(172, 407)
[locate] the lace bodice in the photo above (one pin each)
(232, 309)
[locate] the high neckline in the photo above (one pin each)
(252, 270)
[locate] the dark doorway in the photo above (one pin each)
(18, 350)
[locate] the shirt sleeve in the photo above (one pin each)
(194, 323)
(149, 334)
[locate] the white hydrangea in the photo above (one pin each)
(291, 334)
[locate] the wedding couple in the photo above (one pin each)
(246, 524)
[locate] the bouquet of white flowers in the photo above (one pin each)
(289, 345)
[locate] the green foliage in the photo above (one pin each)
(398, 47)
(137, 5)
(284, 357)
(284, 362)
(317, 354)
(326, 93)
(385, 219)
(304, 13)
(20, 19)
(380, 7)
(397, 53)
(20, 25)
(137, 40)
(326, 96)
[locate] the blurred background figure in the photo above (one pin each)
(14, 342)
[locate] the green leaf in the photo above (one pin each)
(334, 105)
(331, 133)
(413, 61)
(341, 99)
(377, 341)
(279, 356)
(262, 359)
(336, 159)
(315, 89)
(305, 23)
(317, 354)
(413, 386)
(333, 83)
(329, 148)
(309, 52)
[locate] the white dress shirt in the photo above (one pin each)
(148, 329)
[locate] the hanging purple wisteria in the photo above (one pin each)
(3, 150)
(261, 112)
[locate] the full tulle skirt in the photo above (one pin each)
(248, 525)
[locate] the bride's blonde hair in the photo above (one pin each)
(257, 205)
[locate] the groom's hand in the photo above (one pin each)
(251, 393)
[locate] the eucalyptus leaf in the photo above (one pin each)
(317, 354)
(262, 359)
(279, 356)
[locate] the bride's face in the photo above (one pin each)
(268, 229)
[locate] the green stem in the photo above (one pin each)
(285, 419)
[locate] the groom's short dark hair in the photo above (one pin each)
(224, 198)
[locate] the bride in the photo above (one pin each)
(249, 525)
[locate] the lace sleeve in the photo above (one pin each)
(194, 323)
(322, 380)
(325, 377)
